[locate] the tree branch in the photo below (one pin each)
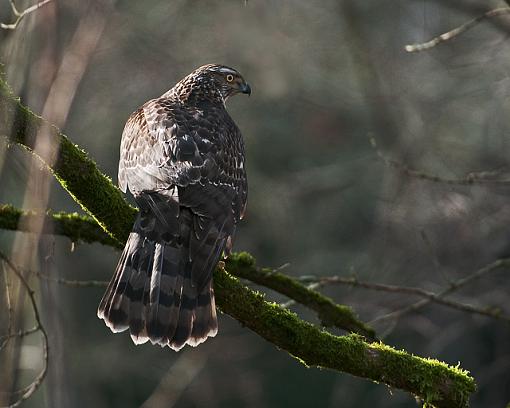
(438, 298)
(26, 392)
(330, 314)
(78, 228)
(434, 382)
(478, 178)
(456, 31)
(74, 170)
(454, 286)
(21, 15)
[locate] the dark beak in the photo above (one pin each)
(245, 88)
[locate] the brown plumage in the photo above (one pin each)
(182, 158)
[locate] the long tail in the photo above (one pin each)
(153, 292)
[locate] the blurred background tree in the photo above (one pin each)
(326, 76)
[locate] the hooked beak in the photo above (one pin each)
(245, 88)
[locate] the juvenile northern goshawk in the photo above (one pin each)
(182, 158)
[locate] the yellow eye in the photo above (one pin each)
(230, 77)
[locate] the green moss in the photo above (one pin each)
(74, 170)
(93, 190)
(9, 217)
(243, 258)
(78, 228)
(437, 383)
(330, 314)
(428, 376)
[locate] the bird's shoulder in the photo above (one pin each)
(167, 141)
(164, 118)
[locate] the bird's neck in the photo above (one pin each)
(196, 93)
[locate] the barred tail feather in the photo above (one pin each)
(110, 309)
(186, 312)
(162, 311)
(152, 294)
(206, 322)
(161, 290)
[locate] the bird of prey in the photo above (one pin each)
(182, 158)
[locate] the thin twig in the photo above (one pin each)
(69, 282)
(9, 308)
(456, 31)
(29, 390)
(20, 333)
(470, 179)
(14, 9)
(20, 15)
(429, 296)
(500, 263)
(74, 283)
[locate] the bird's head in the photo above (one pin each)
(213, 83)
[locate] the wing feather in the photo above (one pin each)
(166, 146)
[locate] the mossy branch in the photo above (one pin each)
(78, 228)
(75, 171)
(434, 382)
(329, 313)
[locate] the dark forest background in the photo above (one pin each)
(326, 77)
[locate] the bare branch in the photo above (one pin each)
(430, 296)
(9, 308)
(20, 15)
(20, 333)
(65, 282)
(456, 285)
(456, 31)
(26, 392)
(14, 9)
(479, 178)
(75, 283)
